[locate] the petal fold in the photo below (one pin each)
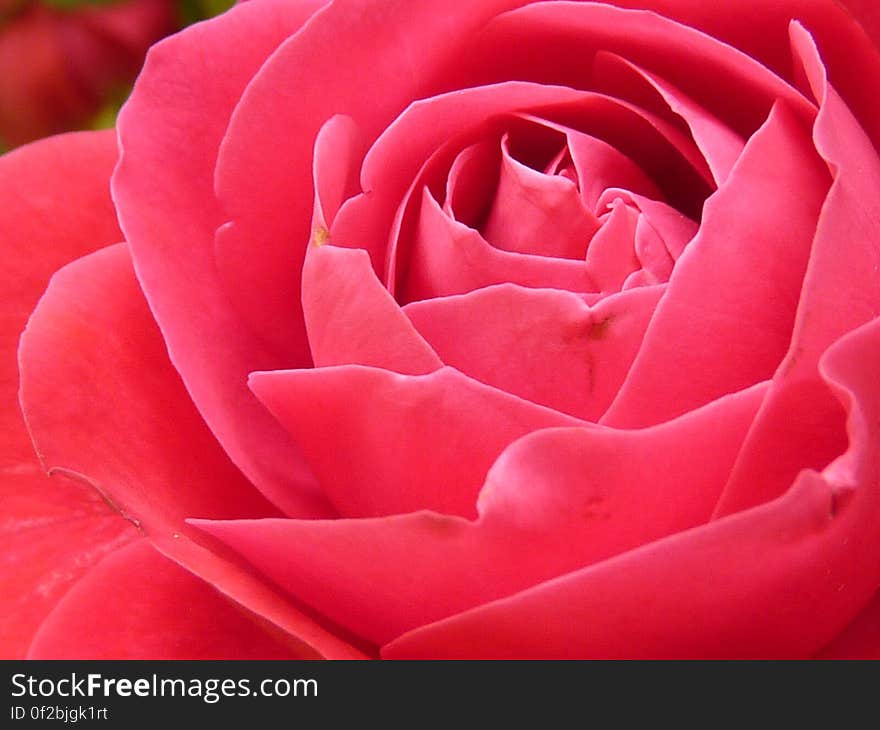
(727, 316)
(53, 531)
(859, 640)
(841, 291)
(554, 501)
(56, 208)
(112, 411)
(383, 443)
(544, 345)
(533, 212)
(170, 132)
(720, 145)
(449, 258)
(351, 319)
(777, 581)
(138, 604)
(330, 67)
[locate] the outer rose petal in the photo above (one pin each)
(114, 383)
(115, 413)
(138, 604)
(56, 207)
(331, 67)
(760, 28)
(859, 640)
(554, 501)
(779, 580)
(170, 131)
(868, 14)
(553, 42)
(850, 214)
(841, 291)
(52, 531)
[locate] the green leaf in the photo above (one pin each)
(192, 11)
(106, 116)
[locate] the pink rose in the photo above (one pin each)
(58, 67)
(488, 329)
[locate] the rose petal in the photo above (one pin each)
(859, 640)
(383, 443)
(599, 612)
(638, 279)
(56, 207)
(163, 189)
(674, 228)
(720, 145)
(726, 319)
(651, 251)
(104, 412)
(800, 425)
(94, 312)
(611, 256)
(601, 166)
(331, 67)
(850, 214)
(537, 214)
(394, 161)
(449, 258)
(544, 345)
(110, 615)
(471, 182)
(555, 42)
(53, 531)
(352, 319)
(333, 168)
(760, 29)
(865, 11)
(841, 290)
(780, 580)
(554, 501)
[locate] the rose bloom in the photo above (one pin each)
(59, 66)
(418, 329)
